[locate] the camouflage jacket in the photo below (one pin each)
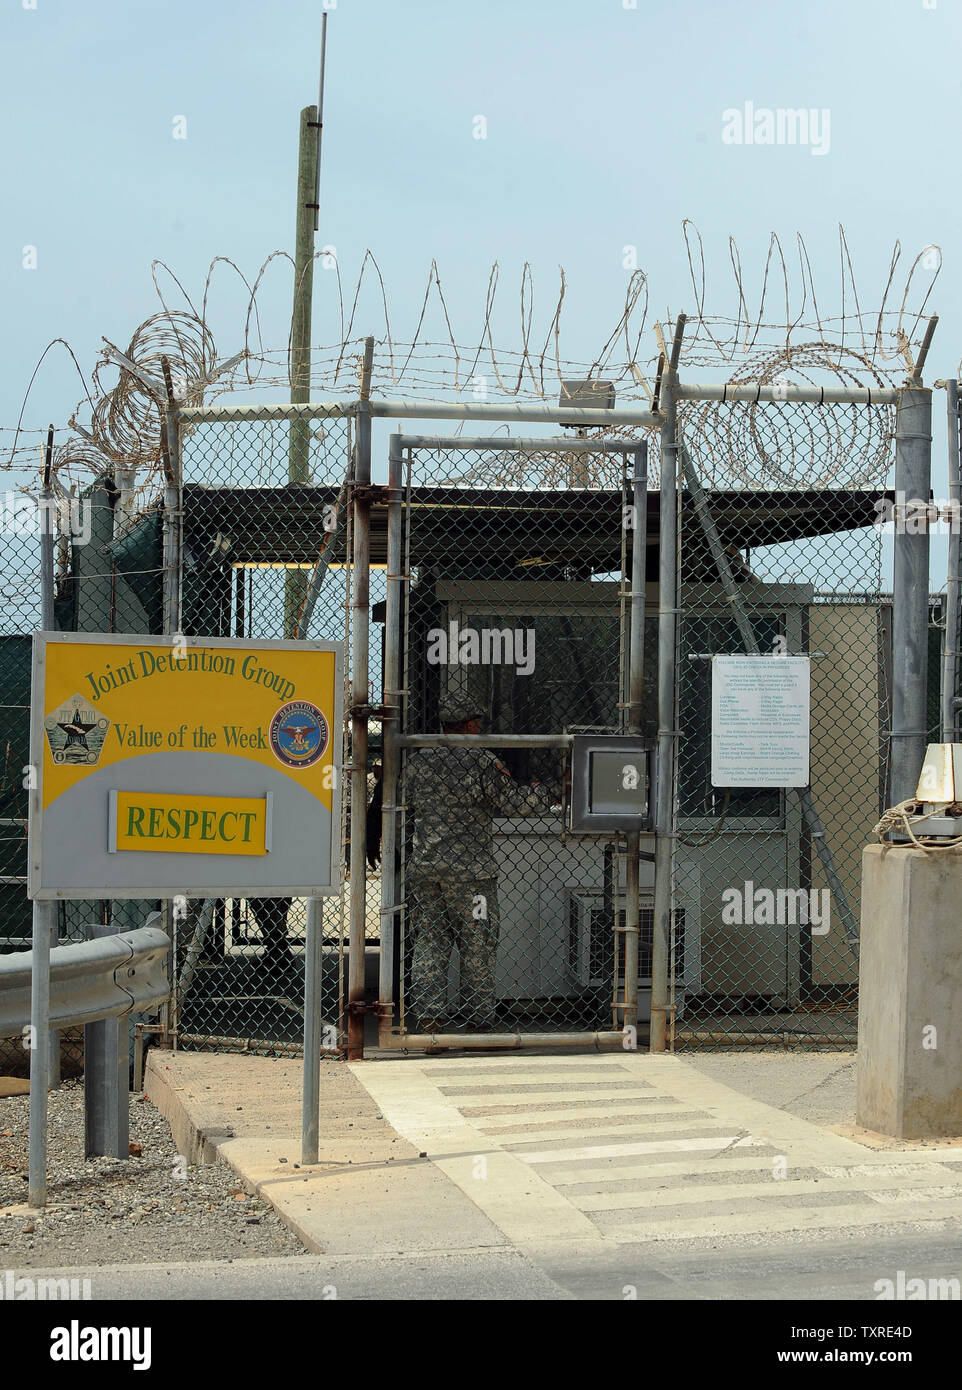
(453, 795)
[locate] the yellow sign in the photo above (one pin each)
(156, 821)
(184, 765)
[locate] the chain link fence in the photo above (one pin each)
(99, 587)
(266, 554)
(515, 626)
(515, 566)
(253, 542)
(781, 554)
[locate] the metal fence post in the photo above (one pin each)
(950, 651)
(667, 716)
(44, 925)
(173, 526)
(39, 1052)
(106, 1079)
(172, 621)
(48, 524)
(360, 695)
(310, 1091)
(636, 691)
(390, 727)
(910, 593)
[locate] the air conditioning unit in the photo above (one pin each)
(591, 940)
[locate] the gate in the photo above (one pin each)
(510, 561)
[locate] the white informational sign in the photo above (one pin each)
(760, 721)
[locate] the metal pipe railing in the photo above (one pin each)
(360, 694)
(502, 1041)
(548, 414)
(950, 650)
(667, 641)
(515, 444)
(910, 597)
(726, 393)
(636, 691)
(390, 730)
(786, 393)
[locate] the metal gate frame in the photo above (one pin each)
(910, 605)
(393, 1037)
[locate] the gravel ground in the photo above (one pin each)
(148, 1208)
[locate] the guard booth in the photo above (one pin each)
(512, 564)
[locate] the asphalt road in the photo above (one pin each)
(776, 1270)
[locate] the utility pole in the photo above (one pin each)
(308, 209)
(297, 581)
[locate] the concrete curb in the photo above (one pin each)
(198, 1131)
(373, 1193)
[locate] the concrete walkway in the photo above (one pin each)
(534, 1158)
(372, 1196)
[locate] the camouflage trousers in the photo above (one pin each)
(445, 913)
(270, 915)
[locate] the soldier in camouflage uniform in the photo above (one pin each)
(270, 914)
(452, 875)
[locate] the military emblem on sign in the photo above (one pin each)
(299, 734)
(76, 733)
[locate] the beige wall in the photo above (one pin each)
(846, 735)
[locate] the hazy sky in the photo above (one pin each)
(605, 128)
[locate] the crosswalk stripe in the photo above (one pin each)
(647, 1102)
(656, 1146)
(572, 1124)
(768, 1222)
(773, 1189)
(607, 1170)
(706, 1128)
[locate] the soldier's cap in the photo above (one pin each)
(458, 709)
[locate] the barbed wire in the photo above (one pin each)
(119, 422)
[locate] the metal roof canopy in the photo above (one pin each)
(282, 525)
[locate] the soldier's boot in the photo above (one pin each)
(277, 954)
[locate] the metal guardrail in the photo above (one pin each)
(89, 980)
